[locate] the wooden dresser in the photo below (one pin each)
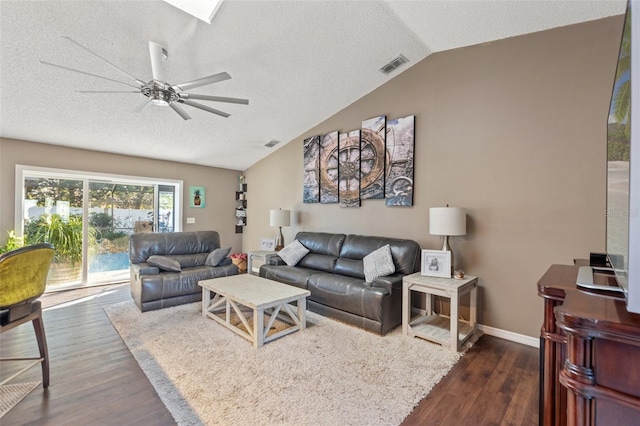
(590, 355)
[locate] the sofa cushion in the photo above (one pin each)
(164, 263)
(321, 262)
(321, 242)
(144, 245)
(293, 253)
(347, 294)
(405, 253)
(349, 267)
(215, 257)
(378, 263)
(189, 260)
(292, 275)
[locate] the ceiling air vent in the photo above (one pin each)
(271, 143)
(394, 64)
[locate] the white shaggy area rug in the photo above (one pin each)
(10, 395)
(329, 374)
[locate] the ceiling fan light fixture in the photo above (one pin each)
(159, 102)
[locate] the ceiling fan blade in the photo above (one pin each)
(87, 73)
(215, 78)
(143, 105)
(204, 107)
(105, 60)
(107, 91)
(158, 56)
(214, 98)
(180, 111)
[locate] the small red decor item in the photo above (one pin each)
(240, 260)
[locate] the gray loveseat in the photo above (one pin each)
(153, 288)
(333, 272)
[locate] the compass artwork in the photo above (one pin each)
(375, 162)
(400, 145)
(329, 168)
(372, 158)
(311, 182)
(349, 169)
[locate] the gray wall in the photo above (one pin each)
(513, 130)
(220, 184)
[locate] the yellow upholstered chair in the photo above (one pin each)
(23, 277)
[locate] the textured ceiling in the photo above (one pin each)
(298, 62)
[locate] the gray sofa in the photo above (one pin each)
(153, 288)
(333, 272)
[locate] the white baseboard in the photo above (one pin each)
(496, 332)
(509, 335)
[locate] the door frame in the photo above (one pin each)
(23, 171)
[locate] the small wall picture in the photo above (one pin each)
(196, 196)
(267, 244)
(436, 263)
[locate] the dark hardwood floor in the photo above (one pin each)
(96, 381)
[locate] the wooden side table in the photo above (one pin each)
(259, 255)
(433, 326)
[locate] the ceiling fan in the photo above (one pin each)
(157, 90)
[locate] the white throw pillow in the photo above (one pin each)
(292, 253)
(378, 263)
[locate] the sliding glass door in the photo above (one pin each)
(89, 219)
(116, 210)
(53, 213)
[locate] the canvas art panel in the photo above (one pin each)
(400, 148)
(196, 196)
(329, 168)
(349, 169)
(373, 158)
(311, 183)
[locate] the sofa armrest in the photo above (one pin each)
(391, 282)
(143, 268)
(275, 260)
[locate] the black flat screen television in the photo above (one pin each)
(623, 174)
(623, 163)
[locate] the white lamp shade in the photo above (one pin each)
(447, 221)
(279, 218)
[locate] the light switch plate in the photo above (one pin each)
(191, 220)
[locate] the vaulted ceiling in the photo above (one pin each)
(298, 62)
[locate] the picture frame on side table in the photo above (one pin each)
(267, 244)
(436, 263)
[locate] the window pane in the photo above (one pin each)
(53, 214)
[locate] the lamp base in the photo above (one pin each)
(447, 247)
(279, 239)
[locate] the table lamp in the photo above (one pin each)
(279, 218)
(447, 221)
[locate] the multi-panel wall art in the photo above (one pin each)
(399, 183)
(372, 158)
(311, 182)
(349, 169)
(375, 162)
(329, 168)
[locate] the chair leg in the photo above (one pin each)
(38, 327)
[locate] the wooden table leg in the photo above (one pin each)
(455, 343)
(406, 308)
(302, 312)
(473, 311)
(258, 328)
(206, 299)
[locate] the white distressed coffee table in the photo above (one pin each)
(258, 294)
